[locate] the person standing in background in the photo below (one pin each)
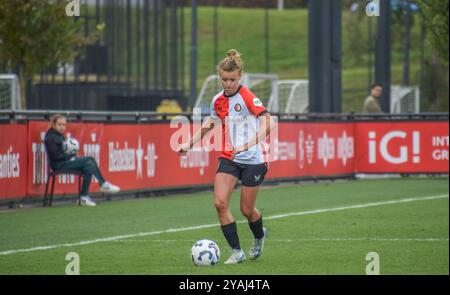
(372, 102)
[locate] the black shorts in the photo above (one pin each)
(250, 175)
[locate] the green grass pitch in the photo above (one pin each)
(323, 228)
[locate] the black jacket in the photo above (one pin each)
(54, 145)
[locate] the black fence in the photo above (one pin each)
(137, 61)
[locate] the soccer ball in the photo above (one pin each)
(71, 146)
(205, 253)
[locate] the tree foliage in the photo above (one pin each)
(36, 35)
(435, 13)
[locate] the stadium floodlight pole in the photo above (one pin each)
(193, 51)
(324, 56)
(383, 54)
(370, 61)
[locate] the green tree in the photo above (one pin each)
(37, 35)
(355, 37)
(435, 13)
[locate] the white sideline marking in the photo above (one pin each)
(173, 230)
(355, 206)
(309, 240)
(364, 239)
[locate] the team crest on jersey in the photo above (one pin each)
(237, 107)
(257, 102)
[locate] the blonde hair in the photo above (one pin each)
(55, 119)
(232, 62)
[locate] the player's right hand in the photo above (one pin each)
(183, 150)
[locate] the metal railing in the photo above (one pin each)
(107, 116)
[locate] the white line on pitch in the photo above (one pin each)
(173, 230)
(362, 239)
(356, 206)
(367, 239)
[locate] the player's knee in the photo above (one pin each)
(247, 211)
(89, 167)
(221, 206)
(91, 161)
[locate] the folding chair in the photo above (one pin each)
(48, 199)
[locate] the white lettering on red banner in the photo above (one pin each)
(9, 164)
(440, 145)
(285, 151)
(196, 158)
(401, 155)
(121, 159)
(345, 147)
(326, 149)
(151, 159)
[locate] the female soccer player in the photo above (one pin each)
(245, 123)
(61, 162)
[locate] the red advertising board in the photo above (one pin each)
(141, 156)
(13, 160)
(402, 147)
(132, 156)
(312, 149)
